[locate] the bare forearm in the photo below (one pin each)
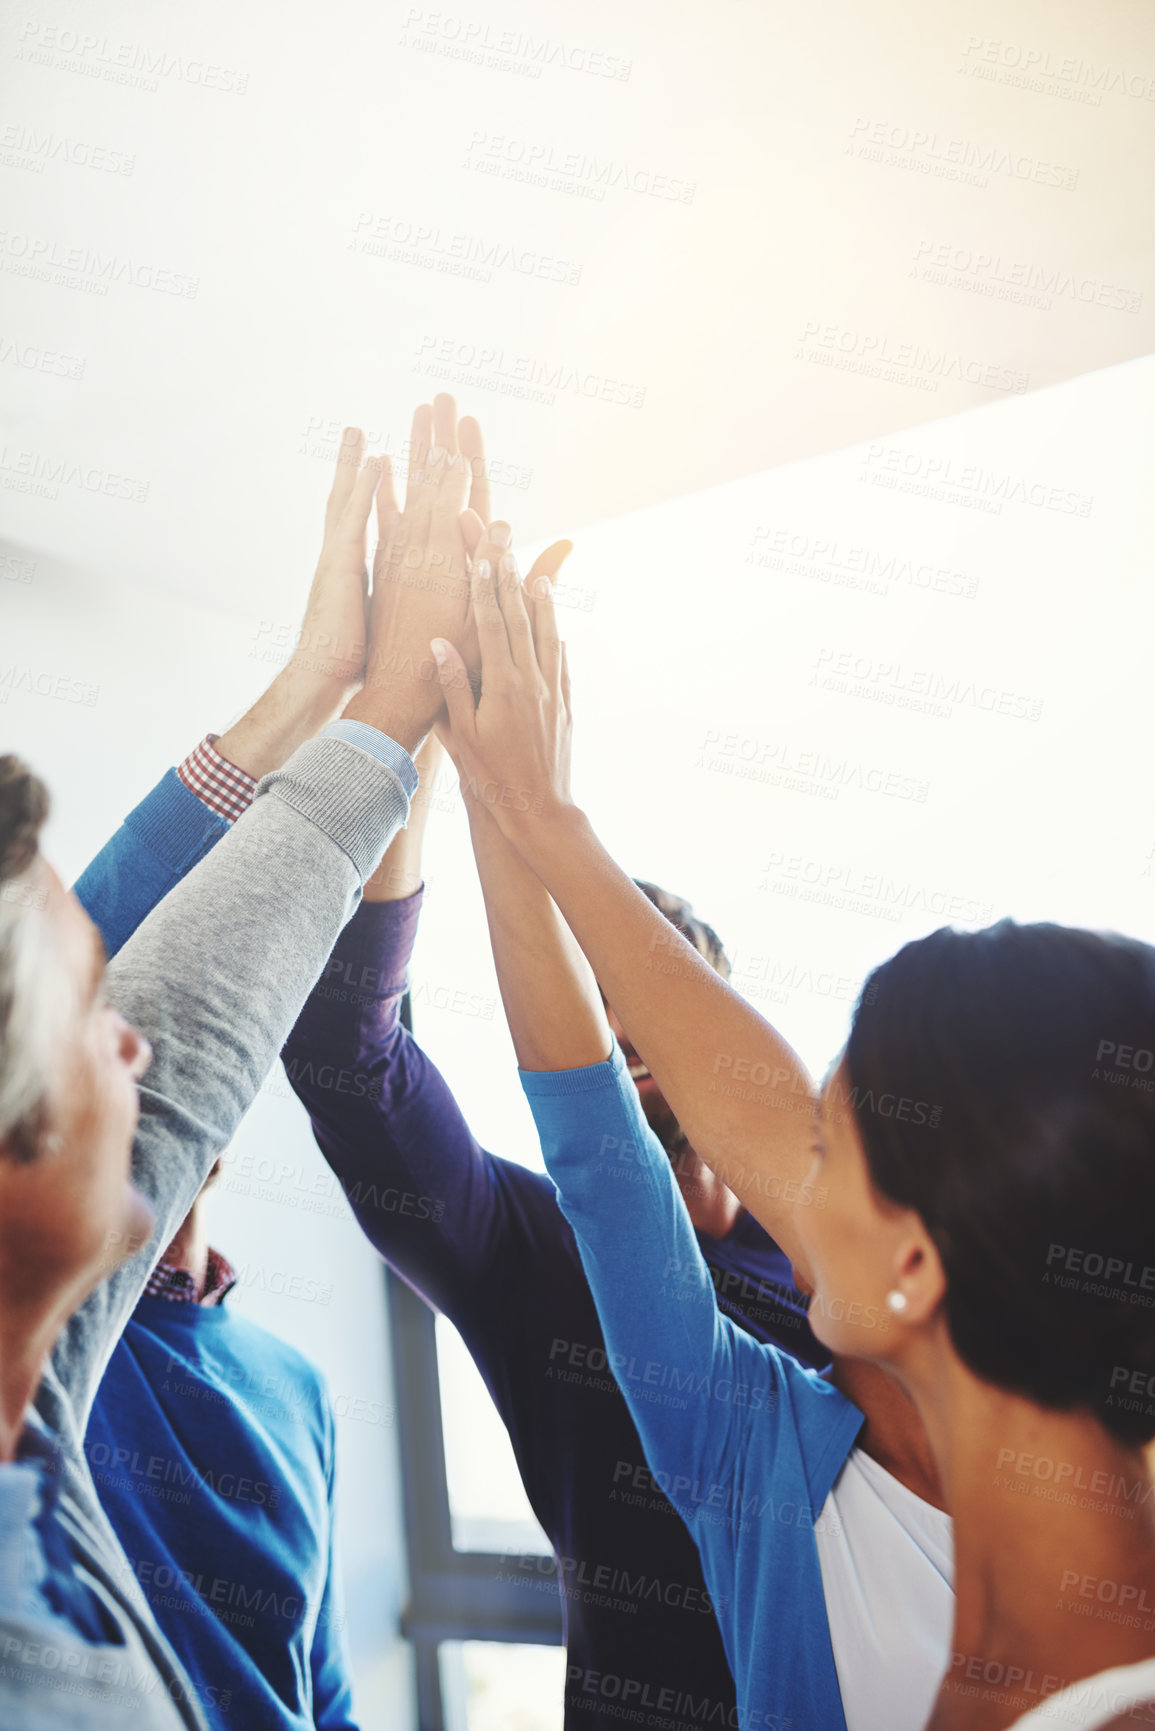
(551, 999)
(294, 708)
(399, 875)
(739, 1092)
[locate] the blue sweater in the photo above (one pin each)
(211, 1444)
(211, 1441)
(745, 1442)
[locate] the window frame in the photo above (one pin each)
(453, 1595)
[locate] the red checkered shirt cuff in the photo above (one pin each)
(178, 1286)
(223, 787)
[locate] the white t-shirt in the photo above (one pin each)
(887, 1561)
(1096, 1701)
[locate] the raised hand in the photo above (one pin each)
(328, 661)
(420, 582)
(334, 633)
(511, 745)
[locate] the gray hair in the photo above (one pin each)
(30, 1012)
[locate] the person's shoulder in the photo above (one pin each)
(530, 1197)
(252, 1341)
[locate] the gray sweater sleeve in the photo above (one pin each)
(215, 978)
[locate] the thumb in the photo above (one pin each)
(453, 677)
(549, 563)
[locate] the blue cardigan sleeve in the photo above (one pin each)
(155, 847)
(701, 1391)
(744, 1441)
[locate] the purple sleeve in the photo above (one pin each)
(432, 1202)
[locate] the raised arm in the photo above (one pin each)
(740, 1093)
(191, 808)
(428, 1198)
(216, 974)
(437, 1206)
(692, 1379)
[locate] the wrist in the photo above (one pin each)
(394, 713)
(296, 706)
(537, 825)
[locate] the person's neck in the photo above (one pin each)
(1046, 1505)
(189, 1248)
(893, 1435)
(27, 1338)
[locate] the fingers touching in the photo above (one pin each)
(472, 448)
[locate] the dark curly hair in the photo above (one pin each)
(1034, 1170)
(23, 809)
(682, 917)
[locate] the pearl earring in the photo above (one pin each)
(896, 1301)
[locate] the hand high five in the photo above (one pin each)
(420, 583)
(511, 745)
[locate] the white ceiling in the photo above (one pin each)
(248, 225)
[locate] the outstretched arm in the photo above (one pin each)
(216, 974)
(697, 1386)
(551, 999)
(740, 1093)
(439, 1207)
(191, 808)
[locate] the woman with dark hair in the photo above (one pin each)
(985, 1148)
(1014, 1245)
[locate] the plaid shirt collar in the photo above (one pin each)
(177, 1285)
